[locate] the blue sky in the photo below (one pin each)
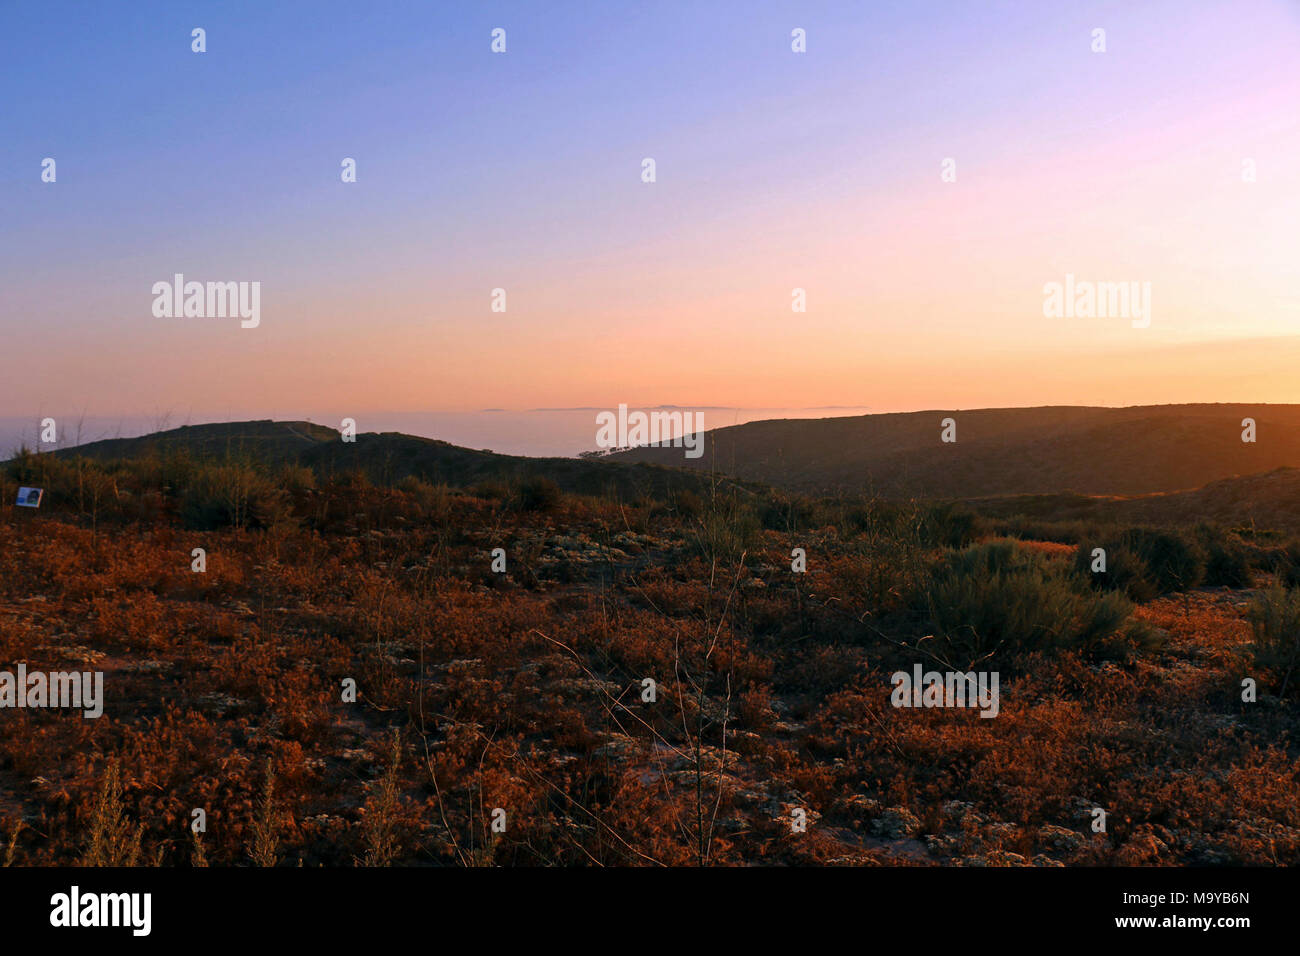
(477, 171)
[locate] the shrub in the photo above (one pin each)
(539, 493)
(1136, 639)
(1042, 529)
(379, 825)
(1125, 570)
(1284, 561)
(1174, 562)
(238, 496)
(688, 503)
(727, 529)
(25, 466)
(948, 525)
(1227, 562)
(490, 490)
(1275, 620)
(781, 513)
(298, 480)
(264, 846)
(1146, 562)
(430, 501)
(114, 840)
(995, 600)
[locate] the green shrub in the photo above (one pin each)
(1284, 561)
(1174, 562)
(1134, 640)
(996, 600)
(726, 529)
(233, 495)
(1275, 620)
(1146, 562)
(1227, 560)
(1125, 570)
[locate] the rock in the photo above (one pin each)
(896, 823)
(956, 812)
(996, 858)
(146, 667)
(618, 747)
(1142, 848)
(941, 844)
(1059, 838)
(218, 704)
(859, 806)
(584, 686)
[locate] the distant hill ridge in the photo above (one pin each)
(391, 456)
(1002, 451)
(265, 440)
(1051, 450)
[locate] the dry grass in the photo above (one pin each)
(523, 691)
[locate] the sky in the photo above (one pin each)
(522, 170)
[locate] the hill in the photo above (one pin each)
(268, 441)
(1162, 464)
(1270, 500)
(1002, 451)
(390, 456)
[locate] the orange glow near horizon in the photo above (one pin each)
(1126, 166)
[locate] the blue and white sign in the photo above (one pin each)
(30, 497)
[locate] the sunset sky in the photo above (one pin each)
(775, 170)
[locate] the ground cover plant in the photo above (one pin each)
(647, 680)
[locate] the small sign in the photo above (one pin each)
(30, 497)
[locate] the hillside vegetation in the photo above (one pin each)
(380, 457)
(522, 689)
(1001, 451)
